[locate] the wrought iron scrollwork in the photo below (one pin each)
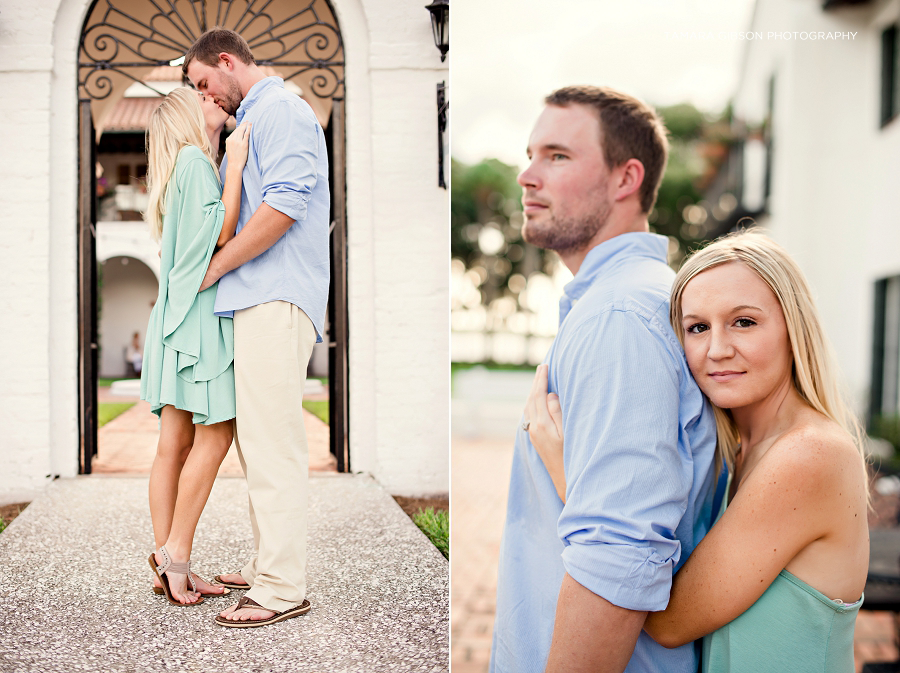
(443, 106)
(301, 43)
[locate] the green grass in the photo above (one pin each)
(317, 407)
(7, 510)
(456, 367)
(106, 411)
(491, 366)
(436, 526)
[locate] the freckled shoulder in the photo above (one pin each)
(817, 457)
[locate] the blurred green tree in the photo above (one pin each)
(486, 227)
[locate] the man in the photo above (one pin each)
(273, 279)
(639, 436)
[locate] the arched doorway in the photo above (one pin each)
(122, 43)
(128, 290)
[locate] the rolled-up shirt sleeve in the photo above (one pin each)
(618, 383)
(288, 154)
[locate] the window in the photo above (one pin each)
(767, 136)
(884, 400)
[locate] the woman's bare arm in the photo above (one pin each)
(785, 504)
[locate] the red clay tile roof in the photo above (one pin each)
(164, 73)
(132, 114)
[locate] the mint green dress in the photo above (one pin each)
(791, 628)
(188, 350)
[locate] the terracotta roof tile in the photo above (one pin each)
(131, 114)
(164, 73)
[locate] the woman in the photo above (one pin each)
(188, 375)
(777, 582)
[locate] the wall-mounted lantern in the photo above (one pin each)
(440, 15)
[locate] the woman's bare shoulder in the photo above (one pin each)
(816, 453)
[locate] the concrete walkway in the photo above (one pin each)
(75, 586)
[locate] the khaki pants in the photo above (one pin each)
(272, 346)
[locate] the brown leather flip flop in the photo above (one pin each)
(245, 602)
(230, 585)
(159, 591)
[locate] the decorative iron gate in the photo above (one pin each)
(87, 287)
(121, 42)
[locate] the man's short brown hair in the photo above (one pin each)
(629, 129)
(213, 42)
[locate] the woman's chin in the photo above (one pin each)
(726, 399)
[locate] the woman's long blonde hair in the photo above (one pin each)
(814, 370)
(178, 121)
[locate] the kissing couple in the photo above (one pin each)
(244, 273)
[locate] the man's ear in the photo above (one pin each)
(226, 59)
(630, 178)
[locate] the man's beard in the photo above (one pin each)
(232, 99)
(566, 233)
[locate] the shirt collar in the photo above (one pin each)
(255, 93)
(602, 257)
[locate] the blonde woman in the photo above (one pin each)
(776, 584)
(188, 374)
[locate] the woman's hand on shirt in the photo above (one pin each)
(544, 417)
(237, 146)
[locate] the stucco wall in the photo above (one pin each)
(398, 247)
(833, 200)
(25, 261)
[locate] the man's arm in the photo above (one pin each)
(288, 171)
(259, 234)
(590, 633)
(627, 491)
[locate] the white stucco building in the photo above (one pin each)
(384, 78)
(818, 95)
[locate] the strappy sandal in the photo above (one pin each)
(170, 565)
(246, 602)
(230, 585)
(159, 591)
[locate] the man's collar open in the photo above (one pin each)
(635, 243)
(255, 94)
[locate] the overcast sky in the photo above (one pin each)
(508, 54)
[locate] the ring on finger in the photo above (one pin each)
(526, 425)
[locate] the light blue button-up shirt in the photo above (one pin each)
(287, 168)
(639, 448)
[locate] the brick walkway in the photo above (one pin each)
(480, 481)
(127, 444)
